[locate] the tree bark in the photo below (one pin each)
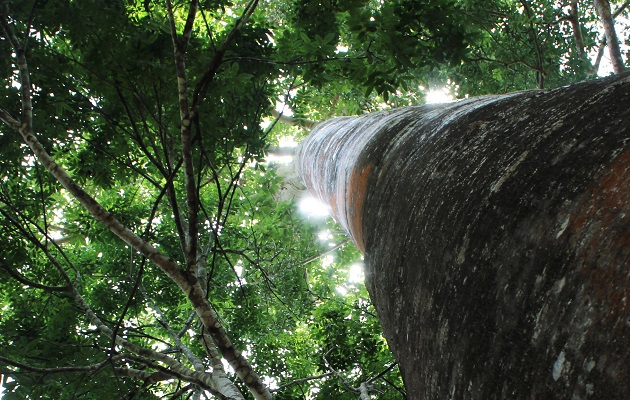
(496, 233)
(603, 10)
(574, 20)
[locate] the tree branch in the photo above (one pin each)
(602, 43)
(179, 48)
(6, 267)
(204, 83)
(338, 375)
(61, 370)
(190, 20)
(192, 378)
(603, 10)
(136, 285)
(380, 375)
(306, 124)
(365, 387)
(318, 256)
(28, 235)
(302, 380)
(20, 54)
(223, 384)
(540, 70)
(175, 366)
(227, 389)
(149, 377)
(364, 391)
(574, 20)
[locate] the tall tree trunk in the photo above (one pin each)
(496, 233)
(603, 10)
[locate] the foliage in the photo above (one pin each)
(190, 177)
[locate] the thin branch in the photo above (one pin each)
(396, 388)
(176, 367)
(4, 265)
(298, 61)
(365, 387)
(149, 377)
(28, 235)
(574, 19)
(130, 298)
(187, 324)
(31, 18)
(221, 386)
(60, 370)
(203, 85)
(343, 380)
(202, 268)
(621, 8)
(302, 380)
(190, 20)
(178, 394)
(136, 132)
(385, 371)
(194, 360)
(320, 255)
(179, 49)
(174, 373)
(508, 50)
(540, 71)
(598, 58)
(20, 54)
(177, 215)
(306, 124)
(229, 262)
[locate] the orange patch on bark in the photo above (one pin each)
(601, 230)
(355, 201)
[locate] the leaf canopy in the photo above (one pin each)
(164, 113)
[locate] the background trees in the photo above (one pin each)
(161, 114)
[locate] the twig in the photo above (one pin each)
(318, 256)
(302, 380)
(365, 387)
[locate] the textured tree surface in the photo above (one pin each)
(496, 232)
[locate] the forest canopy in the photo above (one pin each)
(147, 250)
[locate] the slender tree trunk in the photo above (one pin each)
(574, 20)
(496, 233)
(603, 10)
